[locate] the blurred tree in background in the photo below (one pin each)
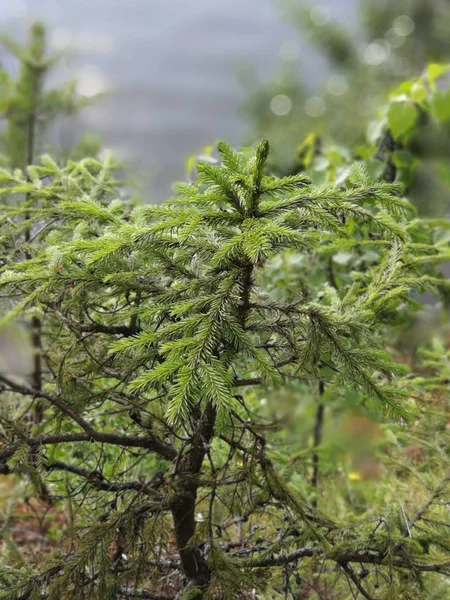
(29, 111)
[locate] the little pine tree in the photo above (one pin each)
(160, 331)
(159, 327)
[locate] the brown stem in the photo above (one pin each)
(37, 365)
(386, 147)
(351, 574)
(183, 505)
(35, 324)
(318, 433)
(331, 276)
(187, 472)
(246, 281)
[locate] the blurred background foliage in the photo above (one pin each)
(390, 42)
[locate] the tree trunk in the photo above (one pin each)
(183, 505)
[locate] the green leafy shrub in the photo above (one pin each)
(386, 44)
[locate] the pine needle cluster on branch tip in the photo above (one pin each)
(158, 324)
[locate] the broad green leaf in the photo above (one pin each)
(440, 104)
(402, 116)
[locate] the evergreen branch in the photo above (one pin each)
(350, 573)
(141, 593)
(151, 443)
(94, 478)
(434, 496)
(347, 557)
(95, 327)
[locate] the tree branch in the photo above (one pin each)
(95, 327)
(150, 442)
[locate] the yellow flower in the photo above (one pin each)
(354, 476)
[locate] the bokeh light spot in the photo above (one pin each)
(281, 105)
(403, 25)
(377, 52)
(90, 81)
(394, 39)
(319, 15)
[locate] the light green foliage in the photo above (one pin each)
(402, 117)
(210, 242)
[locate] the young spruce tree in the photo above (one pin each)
(159, 325)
